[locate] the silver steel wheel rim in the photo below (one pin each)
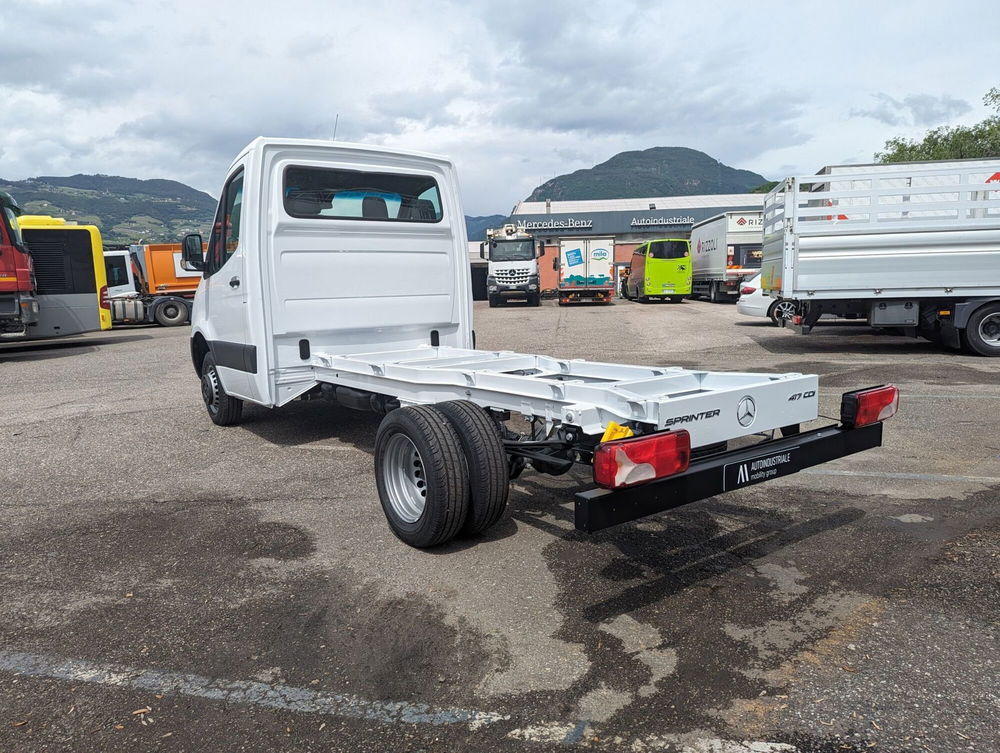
(404, 479)
(784, 310)
(210, 390)
(989, 330)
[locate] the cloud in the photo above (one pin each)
(914, 109)
(514, 93)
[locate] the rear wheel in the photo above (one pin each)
(982, 333)
(486, 461)
(171, 314)
(222, 409)
(780, 310)
(422, 477)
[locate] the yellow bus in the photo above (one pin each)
(70, 280)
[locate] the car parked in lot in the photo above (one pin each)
(753, 302)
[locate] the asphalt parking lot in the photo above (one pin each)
(171, 585)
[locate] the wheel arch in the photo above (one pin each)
(199, 349)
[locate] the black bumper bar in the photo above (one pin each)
(598, 509)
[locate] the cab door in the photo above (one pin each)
(226, 293)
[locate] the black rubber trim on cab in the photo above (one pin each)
(238, 356)
(598, 509)
(489, 476)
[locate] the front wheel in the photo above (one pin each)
(223, 409)
(781, 310)
(982, 333)
(535, 300)
(422, 476)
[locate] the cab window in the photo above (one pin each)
(335, 194)
(226, 228)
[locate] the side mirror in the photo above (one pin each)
(541, 249)
(191, 252)
(482, 250)
(555, 263)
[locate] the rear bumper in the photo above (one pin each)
(598, 509)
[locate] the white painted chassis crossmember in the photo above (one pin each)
(713, 406)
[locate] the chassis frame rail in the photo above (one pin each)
(597, 509)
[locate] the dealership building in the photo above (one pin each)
(628, 222)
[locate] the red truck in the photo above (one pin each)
(18, 299)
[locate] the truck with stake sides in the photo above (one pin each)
(340, 272)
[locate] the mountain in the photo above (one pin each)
(660, 171)
(476, 227)
(125, 209)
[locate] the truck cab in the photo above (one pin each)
(150, 283)
(18, 299)
(513, 268)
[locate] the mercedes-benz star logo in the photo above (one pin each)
(746, 411)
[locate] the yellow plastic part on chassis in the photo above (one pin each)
(616, 431)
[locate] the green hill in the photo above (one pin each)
(476, 227)
(125, 209)
(660, 171)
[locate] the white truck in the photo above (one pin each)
(341, 272)
(913, 245)
(586, 268)
(513, 266)
(725, 251)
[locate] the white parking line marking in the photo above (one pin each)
(904, 476)
(304, 700)
(239, 691)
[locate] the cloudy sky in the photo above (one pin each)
(515, 92)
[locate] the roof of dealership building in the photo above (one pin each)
(720, 201)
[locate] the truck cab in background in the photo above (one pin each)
(18, 300)
(513, 266)
(150, 283)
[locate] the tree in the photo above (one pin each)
(764, 187)
(981, 140)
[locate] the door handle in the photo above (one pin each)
(235, 282)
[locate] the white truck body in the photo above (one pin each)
(370, 296)
(725, 251)
(341, 271)
(586, 269)
(916, 230)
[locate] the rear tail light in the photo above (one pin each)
(105, 301)
(627, 462)
(868, 406)
(747, 290)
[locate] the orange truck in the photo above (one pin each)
(150, 283)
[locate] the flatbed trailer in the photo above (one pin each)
(914, 246)
(278, 317)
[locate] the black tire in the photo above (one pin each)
(439, 464)
(676, 299)
(983, 330)
(486, 460)
(223, 409)
(534, 300)
(494, 301)
(171, 314)
(773, 311)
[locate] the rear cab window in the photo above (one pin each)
(335, 194)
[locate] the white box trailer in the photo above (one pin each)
(586, 268)
(725, 251)
(340, 272)
(912, 245)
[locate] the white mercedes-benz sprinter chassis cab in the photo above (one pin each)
(340, 271)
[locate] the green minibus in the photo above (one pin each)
(660, 269)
